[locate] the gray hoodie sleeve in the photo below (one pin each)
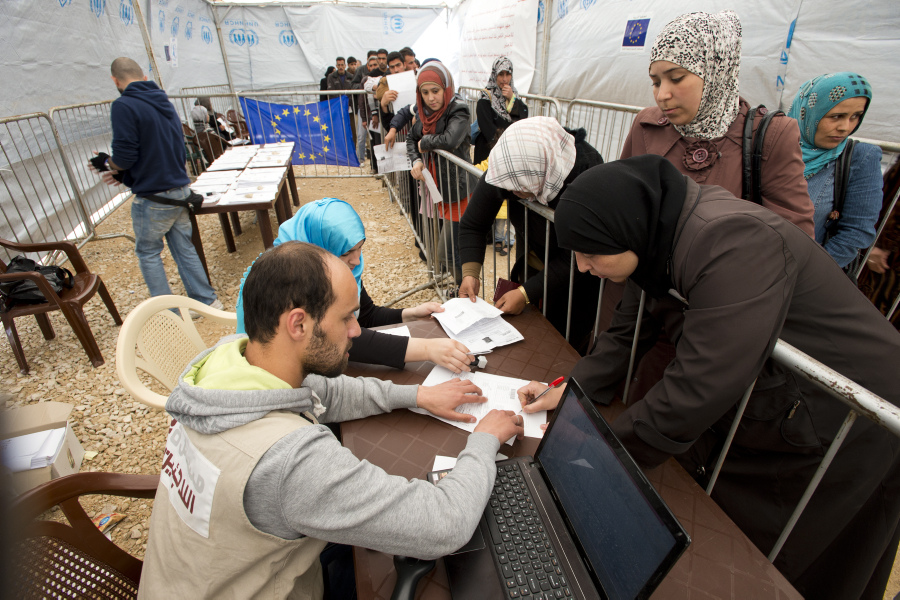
(347, 398)
(308, 484)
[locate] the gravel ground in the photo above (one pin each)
(128, 436)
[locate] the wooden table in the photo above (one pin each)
(720, 562)
(287, 190)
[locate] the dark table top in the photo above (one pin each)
(720, 562)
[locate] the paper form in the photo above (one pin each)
(431, 187)
(405, 85)
(487, 334)
(500, 393)
(461, 313)
(395, 159)
(402, 331)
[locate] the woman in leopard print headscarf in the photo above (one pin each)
(698, 125)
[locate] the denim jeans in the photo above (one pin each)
(154, 221)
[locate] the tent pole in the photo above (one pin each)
(545, 45)
(147, 45)
(235, 104)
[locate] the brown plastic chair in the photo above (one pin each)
(74, 560)
(213, 146)
(70, 301)
(239, 124)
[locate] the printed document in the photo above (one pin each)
(500, 392)
(487, 334)
(395, 159)
(405, 85)
(461, 313)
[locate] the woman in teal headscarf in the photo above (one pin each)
(333, 224)
(829, 108)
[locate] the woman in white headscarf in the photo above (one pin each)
(534, 159)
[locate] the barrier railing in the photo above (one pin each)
(607, 124)
(38, 199)
(538, 106)
(84, 129)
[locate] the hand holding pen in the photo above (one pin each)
(535, 396)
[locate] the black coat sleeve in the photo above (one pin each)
(371, 315)
(486, 200)
(376, 348)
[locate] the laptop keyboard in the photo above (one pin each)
(522, 549)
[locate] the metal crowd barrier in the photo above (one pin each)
(607, 124)
(538, 106)
(47, 193)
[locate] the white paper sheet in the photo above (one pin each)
(461, 313)
(405, 85)
(501, 394)
(402, 331)
(432, 188)
(395, 159)
(487, 334)
(32, 451)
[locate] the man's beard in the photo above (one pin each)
(324, 357)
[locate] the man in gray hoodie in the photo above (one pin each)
(252, 487)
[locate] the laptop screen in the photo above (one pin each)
(619, 531)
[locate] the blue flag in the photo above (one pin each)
(321, 130)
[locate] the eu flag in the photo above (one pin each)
(321, 130)
(636, 32)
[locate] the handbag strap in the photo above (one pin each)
(841, 180)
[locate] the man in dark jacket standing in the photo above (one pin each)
(148, 152)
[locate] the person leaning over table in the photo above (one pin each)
(262, 487)
(334, 225)
(534, 159)
(727, 279)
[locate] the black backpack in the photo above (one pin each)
(752, 149)
(25, 291)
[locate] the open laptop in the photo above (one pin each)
(593, 526)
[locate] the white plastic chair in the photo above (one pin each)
(166, 342)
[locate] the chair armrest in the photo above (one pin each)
(69, 248)
(34, 502)
(36, 277)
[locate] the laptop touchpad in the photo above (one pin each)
(476, 543)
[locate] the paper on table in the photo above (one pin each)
(432, 189)
(402, 331)
(487, 334)
(461, 313)
(405, 85)
(395, 159)
(500, 392)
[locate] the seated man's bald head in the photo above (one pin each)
(125, 69)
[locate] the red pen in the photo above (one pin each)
(552, 385)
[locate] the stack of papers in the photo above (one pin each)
(234, 159)
(32, 451)
(272, 155)
(256, 185)
(477, 324)
(500, 392)
(212, 185)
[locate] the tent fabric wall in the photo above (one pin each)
(190, 24)
(59, 52)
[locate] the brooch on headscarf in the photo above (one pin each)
(700, 154)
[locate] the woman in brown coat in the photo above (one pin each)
(727, 279)
(698, 124)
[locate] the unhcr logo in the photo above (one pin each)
(243, 37)
(126, 12)
(540, 12)
(175, 27)
(97, 7)
(188, 30)
(562, 8)
(64, 3)
(397, 24)
(286, 38)
(162, 21)
(206, 34)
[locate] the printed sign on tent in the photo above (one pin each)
(321, 130)
(636, 33)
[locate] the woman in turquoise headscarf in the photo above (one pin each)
(333, 224)
(829, 108)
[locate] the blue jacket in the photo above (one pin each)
(148, 141)
(862, 204)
